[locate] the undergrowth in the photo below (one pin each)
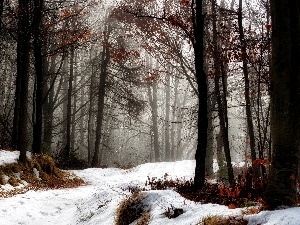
(220, 220)
(71, 162)
(38, 173)
(132, 209)
(246, 192)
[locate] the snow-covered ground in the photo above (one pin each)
(96, 203)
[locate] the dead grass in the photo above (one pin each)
(132, 209)
(40, 172)
(220, 220)
(144, 219)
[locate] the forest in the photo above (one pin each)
(105, 84)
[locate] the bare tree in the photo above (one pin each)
(285, 103)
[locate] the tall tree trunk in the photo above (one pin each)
(285, 103)
(201, 79)
(247, 82)
(173, 145)
(65, 102)
(39, 76)
(1, 13)
(23, 48)
(48, 108)
(15, 131)
(69, 107)
(179, 152)
(210, 144)
(167, 118)
(219, 71)
(90, 114)
(220, 155)
(73, 119)
(97, 157)
(82, 114)
(153, 104)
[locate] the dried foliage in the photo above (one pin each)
(220, 220)
(246, 192)
(144, 219)
(132, 209)
(173, 212)
(38, 173)
(123, 166)
(72, 162)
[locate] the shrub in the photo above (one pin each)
(40, 172)
(173, 212)
(132, 209)
(220, 220)
(246, 192)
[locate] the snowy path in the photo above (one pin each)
(96, 203)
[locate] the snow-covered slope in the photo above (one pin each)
(96, 203)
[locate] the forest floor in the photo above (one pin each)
(101, 196)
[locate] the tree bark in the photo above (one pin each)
(167, 119)
(69, 108)
(23, 48)
(153, 104)
(285, 103)
(179, 147)
(39, 76)
(48, 108)
(90, 113)
(97, 157)
(247, 83)
(1, 12)
(201, 79)
(174, 117)
(73, 118)
(219, 71)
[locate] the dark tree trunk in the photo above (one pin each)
(39, 76)
(65, 80)
(90, 114)
(15, 131)
(285, 103)
(69, 107)
(210, 137)
(154, 127)
(1, 12)
(219, 71)
(23, 48)
(73, 119)
(247, 83)
(198, 25)
(48, 108)
(97, 157)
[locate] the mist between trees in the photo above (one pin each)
(99, 84)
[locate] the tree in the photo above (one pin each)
(247, 82)
(1, 12)
(21, 103)
(198, 31)
(105, 57)
(285, 103)
(152, 95)
(192, 27)
(219, 69)
(39, 76)
(167, 118)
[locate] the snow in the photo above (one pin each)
(8, 157)
(96, 203)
